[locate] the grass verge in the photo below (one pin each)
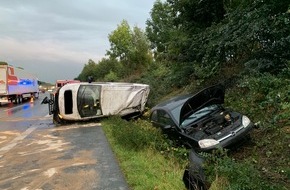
(146, 158)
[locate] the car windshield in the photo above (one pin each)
(199, 114)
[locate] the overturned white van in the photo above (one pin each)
(84, 101)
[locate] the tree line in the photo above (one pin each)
(193, 40)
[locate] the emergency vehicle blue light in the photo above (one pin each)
(25, 82)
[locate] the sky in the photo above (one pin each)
(54, 39)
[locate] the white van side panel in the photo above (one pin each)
(122, 100)
(115, 99)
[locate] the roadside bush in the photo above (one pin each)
(140, 134)
(157, 77)
(265, 99)
(265, 92)
(130, 135)
(111, 76)
(223, 171)
(146, 157)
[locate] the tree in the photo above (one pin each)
(192, 14)
(120, 41)
(130, 47)
(140, 55)
(160, 27)
(107, 65)
(87, 71)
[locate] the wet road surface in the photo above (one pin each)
(36, 154)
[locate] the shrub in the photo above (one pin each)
(139, 135)
(111, 76)
(233, 175)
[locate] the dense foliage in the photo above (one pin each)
(190, 44)
(209, 36)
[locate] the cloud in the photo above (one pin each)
(49, 60)
(45, 50)
(61, 36)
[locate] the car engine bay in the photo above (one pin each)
(212, 124)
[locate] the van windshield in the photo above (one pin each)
(88, 100)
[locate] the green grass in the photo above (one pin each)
(145, 157)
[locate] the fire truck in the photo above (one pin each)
(60, 83)
(16, 84)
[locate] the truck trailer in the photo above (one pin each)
(16, 84)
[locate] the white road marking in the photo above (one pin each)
(16, 140)
(78, 164)
(50, 172)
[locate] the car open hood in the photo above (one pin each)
(206, 97)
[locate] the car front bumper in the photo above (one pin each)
(232, 138)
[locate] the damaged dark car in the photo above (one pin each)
(200, 121)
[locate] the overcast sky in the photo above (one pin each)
(55, 38)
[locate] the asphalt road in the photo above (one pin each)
(36, 154)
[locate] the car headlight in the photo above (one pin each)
(205, 143)
(245, 121)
